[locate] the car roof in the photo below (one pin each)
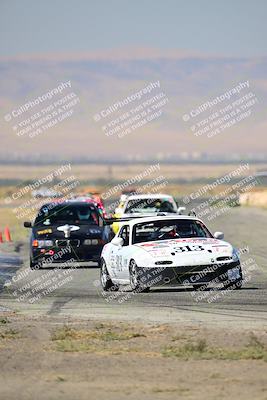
(81, 199)
(159, 218)
(149, 196)
(66, 203)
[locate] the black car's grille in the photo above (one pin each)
(68, 242)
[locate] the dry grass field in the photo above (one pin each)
(177, 179)
(86, 359)
(94, 172)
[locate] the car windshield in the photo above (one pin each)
(169, 229)
(147, 205)
(67, 213)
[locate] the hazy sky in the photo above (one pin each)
(229, 27)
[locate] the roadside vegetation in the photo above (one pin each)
(200, 350)
(110, 339)
(67, 339)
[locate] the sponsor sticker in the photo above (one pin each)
(44, 231)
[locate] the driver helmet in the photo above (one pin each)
(173, 231)
(166, 206)
(83, 214)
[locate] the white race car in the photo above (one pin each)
(137, 204)
(168, 250)
(145, 205)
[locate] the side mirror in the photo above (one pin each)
(219, 235)
(180, 210)
(117, 241)
(27, 224)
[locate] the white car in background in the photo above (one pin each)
(145, 205)
(168, 250)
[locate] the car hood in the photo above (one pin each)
(148, 214)
(188, 251)
(68, 231)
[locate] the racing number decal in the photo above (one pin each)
(183, 249)
(121, 262)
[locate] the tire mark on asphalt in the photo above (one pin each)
(206, 311)
(9, 265)
(57, 305)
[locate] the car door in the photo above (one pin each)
(121, 257)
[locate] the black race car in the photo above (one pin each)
(65, 231)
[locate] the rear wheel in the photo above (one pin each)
(105, 279)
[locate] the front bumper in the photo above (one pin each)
(185, 275)
(61, 254)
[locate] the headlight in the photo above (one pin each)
(235, 255)
(45, 243)
(91, 241)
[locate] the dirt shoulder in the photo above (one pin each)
(56, 358)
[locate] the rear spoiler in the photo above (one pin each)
(110, 221)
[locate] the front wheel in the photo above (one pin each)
(236, 285)
(237, 279)
(105, 278)
(34, 265)
(201, 287)
(135, 282)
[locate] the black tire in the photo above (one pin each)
(135, 282)
(105, 279)
(203, 287)
(34, 265)
(234, 285)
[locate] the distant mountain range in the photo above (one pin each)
(100, 80)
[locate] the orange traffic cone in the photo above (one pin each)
(7, 234)
(1, 237)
